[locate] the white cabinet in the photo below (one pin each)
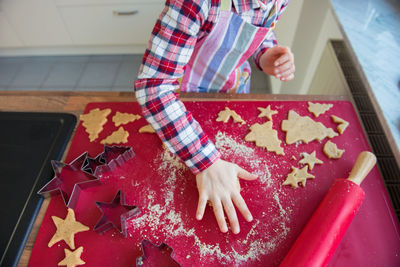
(67, 26)
(36, 23)
(8, 37)
(110, 24)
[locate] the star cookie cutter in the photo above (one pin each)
(115, 214)
(84, 172)
(69, 180)
(154, 255)
(113, 156)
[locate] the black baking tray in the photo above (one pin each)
(28, 142)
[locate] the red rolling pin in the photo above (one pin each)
(322, 234)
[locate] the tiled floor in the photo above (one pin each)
(83, 73)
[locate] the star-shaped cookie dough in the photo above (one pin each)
(310, 159)
(267, 112)
(298, 176)
(226, 114)
(66, 229)
(72, 258)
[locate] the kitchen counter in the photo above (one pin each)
(371, 30)
(75, 102)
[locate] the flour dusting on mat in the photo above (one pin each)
(164, 218)
(229, 147)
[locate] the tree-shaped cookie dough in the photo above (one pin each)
(66, 229)
(332, 151)
(225, 115)
(298, 176)
(94, 121)
(267, 112)
(304, 129)
(318, 109)
(342, 123)
(310, 159)
(124, 118)
(265, 136)
(117, 137)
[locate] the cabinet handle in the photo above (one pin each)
(125, 13)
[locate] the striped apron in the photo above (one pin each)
(219, 61)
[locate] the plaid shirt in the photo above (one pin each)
(181, 24)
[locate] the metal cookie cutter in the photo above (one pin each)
(83, 172)
(153, 255)
(69, 180)
(115, 214)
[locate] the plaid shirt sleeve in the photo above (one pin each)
(170, 47)
(270, 39)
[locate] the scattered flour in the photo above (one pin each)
(228, 146)
(164, 218)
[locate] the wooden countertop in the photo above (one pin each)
(75, 102)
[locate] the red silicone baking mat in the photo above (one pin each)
(165, 191)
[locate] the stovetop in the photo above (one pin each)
(28, 142)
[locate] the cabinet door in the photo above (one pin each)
(111, 25)
(107, 2)
(8, 37)
(36, 23)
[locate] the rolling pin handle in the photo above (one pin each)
(364, 163)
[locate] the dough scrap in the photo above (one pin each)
(267, 112)
(94, 121)
(117, 137)
(225, 115)
(66, 229)
(265, 136)
(147, 129)
(318, 109)
(124, 118)
(72, 258)
(332, 151)
(304, 129)
(342, 123)
(310, 160)
(298, 176)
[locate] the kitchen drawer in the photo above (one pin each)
(101, 2)
(100, 25)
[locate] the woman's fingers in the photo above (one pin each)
(287, 56)
(287, 66)
(245, 175)
(285, 73)
(242, 207)
(231, 213)
(201, 206)
(288, 78)
(219, 215)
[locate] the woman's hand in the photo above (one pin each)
(219, 184)
(278, 61)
